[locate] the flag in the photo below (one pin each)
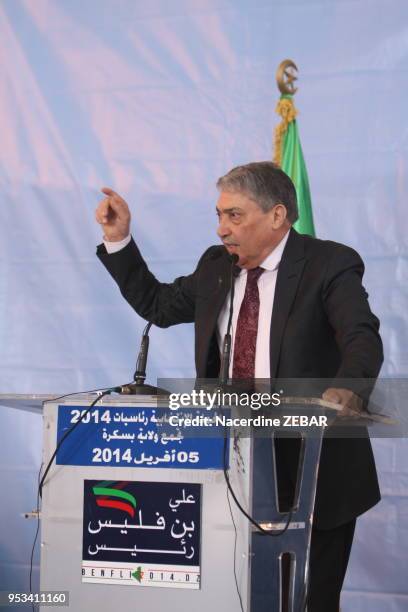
(289, 156)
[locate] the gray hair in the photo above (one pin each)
(265, 183)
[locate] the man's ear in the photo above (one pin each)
(278, 216)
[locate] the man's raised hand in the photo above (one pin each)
(113, 215)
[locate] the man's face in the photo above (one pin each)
(246, 230)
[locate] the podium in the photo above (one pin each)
(135, 510)
(114, 579)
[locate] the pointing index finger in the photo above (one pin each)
(108, 191)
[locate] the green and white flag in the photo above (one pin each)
(289, 156)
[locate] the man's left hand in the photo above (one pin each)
(352, 405)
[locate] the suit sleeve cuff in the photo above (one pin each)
(114, 247)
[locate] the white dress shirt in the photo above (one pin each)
(266, 287)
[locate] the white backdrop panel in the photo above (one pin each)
(157, 100)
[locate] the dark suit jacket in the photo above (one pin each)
(322, 327)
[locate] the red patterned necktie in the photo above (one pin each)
(247, 329)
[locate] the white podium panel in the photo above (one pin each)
(121, 532)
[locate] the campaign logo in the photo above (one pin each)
(108, 496)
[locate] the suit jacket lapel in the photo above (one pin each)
(289, 274)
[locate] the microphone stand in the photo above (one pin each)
(226, 347)
(139, 387)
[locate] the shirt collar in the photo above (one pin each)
(273, 260)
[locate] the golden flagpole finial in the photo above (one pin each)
(286, 77)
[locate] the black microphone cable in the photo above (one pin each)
(36, 535)
(70, 430)
(99, 391)
(224, 371)
(101, 394)
(264, 531)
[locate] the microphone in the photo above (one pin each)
(226, 346)
(140, 373)
(138, 387)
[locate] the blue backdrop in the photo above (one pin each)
(156, 100)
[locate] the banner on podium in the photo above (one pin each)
(138, 437)
(142, 533)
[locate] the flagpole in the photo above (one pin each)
(288, 152)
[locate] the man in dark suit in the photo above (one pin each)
(300, 311)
